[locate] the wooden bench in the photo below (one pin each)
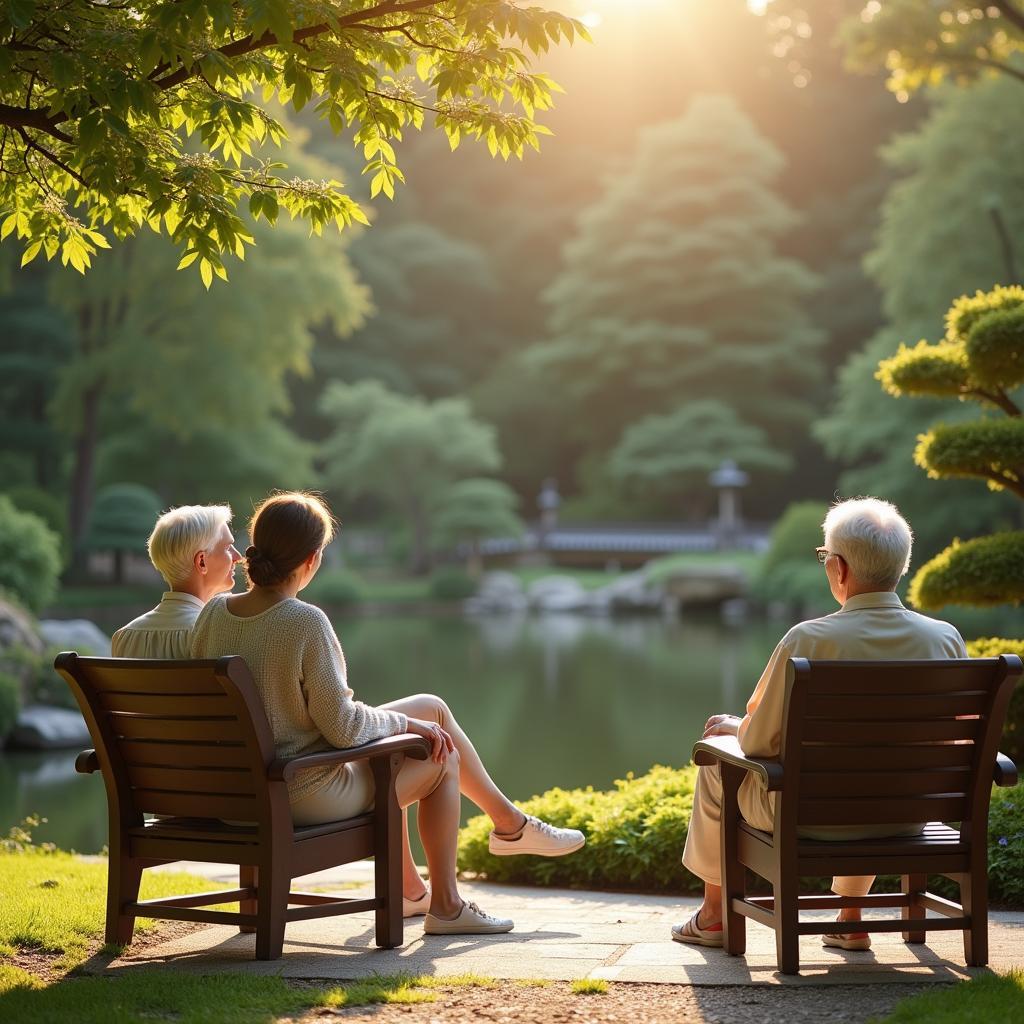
(189, 741)
(864, 744)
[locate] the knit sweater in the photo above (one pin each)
(297, 663)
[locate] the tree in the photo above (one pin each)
(404, 451)
(979, 361)
(673, 287)
(668, 455)
(37, 341)
(470, 510)
(922, 44)
(153, 347)
(122, 117)
(937, 239)
(122, 519)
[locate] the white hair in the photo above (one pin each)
(873, 538)
(180, 534)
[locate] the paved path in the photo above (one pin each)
(563, 935)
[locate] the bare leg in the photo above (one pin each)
(710, 912)
(412, 885)
(476, 784)
(439, 829)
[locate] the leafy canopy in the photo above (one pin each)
(116, 116)
(923, 43)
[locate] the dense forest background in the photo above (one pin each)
(725, 234)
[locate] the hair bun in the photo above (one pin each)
(251, 552)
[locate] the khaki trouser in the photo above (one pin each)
(702, 854)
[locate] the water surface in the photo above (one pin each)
(550, 701)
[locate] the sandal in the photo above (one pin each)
(855, 941)
(690, 931)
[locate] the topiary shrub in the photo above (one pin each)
(337, 587)
(983, 571)
(452, 584)
(30, 561)
(10, 703)
(635, 835)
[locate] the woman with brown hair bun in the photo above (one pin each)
(297, 663)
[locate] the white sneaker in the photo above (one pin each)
(471, 921)
(416, 908)
(538, 838)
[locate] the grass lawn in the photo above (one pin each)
(51, 922)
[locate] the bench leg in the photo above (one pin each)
(787, 916)
(124, 876)
(272, 899)
(913, 884)
(387, 852)
(733, 872)
(974, 899)
(248, 878)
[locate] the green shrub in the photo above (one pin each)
(49, 508)
(10, 702)
(788, 572)
(336, 587)
(1006, 847)
(452, 584)
(1012, 743)
(30, 559)
(122, 518)
(635, 835)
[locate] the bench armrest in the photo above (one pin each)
(87, 762)
(727, 749)
(1005, 773)
(282, 770)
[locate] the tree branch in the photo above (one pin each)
(998, 398)
(33, 117)
(1012, 14)
(1016, 486)
(357, 20)
(52, 157)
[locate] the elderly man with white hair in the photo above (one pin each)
(866, 552)
(193, 549)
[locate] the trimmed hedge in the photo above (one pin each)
(635, 835)
(636, 832)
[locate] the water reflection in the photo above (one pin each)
(550, 701)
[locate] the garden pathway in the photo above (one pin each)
(564, 935)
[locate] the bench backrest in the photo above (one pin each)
(177, 738)
(869, 743)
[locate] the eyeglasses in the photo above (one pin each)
(823, 553)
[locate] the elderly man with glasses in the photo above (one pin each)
(866, 553)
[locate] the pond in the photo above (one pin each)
(549, 701)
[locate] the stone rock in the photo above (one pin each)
(79, 635)
(633, 592)
(557, 594)
(44, 728)
(498, 592)
(19, 637)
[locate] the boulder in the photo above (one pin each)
(633, 592)
(498, 592)
(76, 635)
(20, 643)
(558, 594)
(43, 728)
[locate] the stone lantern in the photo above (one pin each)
(728, 480)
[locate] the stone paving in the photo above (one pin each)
(564, 935)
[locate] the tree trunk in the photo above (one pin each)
(118, 566)
(419, 556)
(82, 479)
